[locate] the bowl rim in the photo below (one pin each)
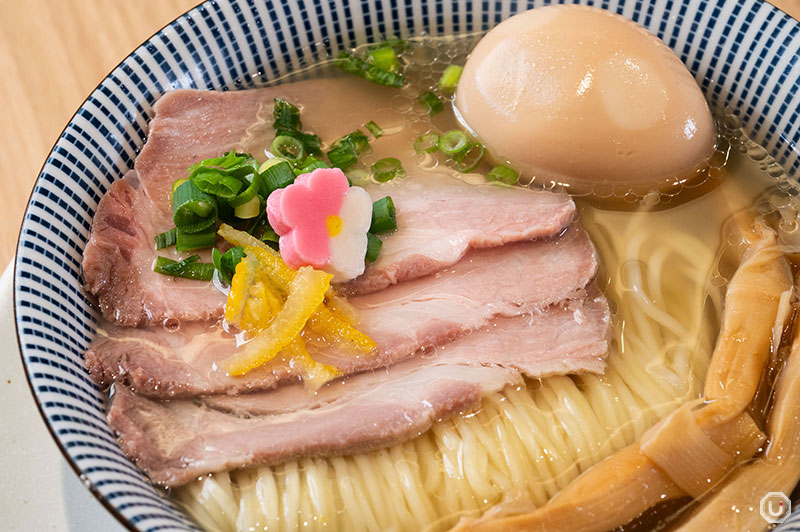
(16, 262)
(39, 408)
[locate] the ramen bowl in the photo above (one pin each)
(744, 55)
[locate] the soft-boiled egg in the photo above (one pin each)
(582, 96)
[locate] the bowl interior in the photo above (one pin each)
(743, 54)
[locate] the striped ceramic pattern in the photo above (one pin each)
(744, 54)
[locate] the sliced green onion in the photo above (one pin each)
(374, 245)
(167, 238)
(193, 210)
(374, 129)
(229, 161)
(358, 139)
(177, 183)
(289, 148)
(188, 268)
(270, 162)
(204, 239)
(370, 72)
(285, 115)
(453, 142)
(311, 164)
(311, 143)
(427, 143)
(248, 194)
(387, 169)
(271, 238)
(468, 160)
(394, 43)
(383, 216)
(216, 182)
(343, 156)
(276, 176)
(248, 210)
(287, 124)
(449, 80)
(431, 102)
(345, 151)
(503, 174)
(226, 263)
(384, 58)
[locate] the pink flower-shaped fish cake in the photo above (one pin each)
(322, 222)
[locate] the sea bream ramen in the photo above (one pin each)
(519, 281)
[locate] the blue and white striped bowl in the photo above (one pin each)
(744, 54)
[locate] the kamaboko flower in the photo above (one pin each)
(322, 222)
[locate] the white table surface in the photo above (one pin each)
(38, 489)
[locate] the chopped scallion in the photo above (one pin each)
(358, 139)
(503, 174)
(167, 238)
(226, 263)
(271, 239)
(204, 239)
(216, 183)
(343, 156)
(177, 183)
(286, 121)
(383, 216)
(311, 143)
(285, 115)
(468, 160)
(374, 245)
(229, 161)
(270, 162)
(276, 176)
(427, 143)
(345, 151)
(431, 102)
(248, 194)
(188, 268)
(374, 128)
(387, 169)
(449, 80)
(370, 72)
(453, 142)
(311, 164)
(384, 58)
(395, 43)
(193, 210)
(248, 210)
(289, 148)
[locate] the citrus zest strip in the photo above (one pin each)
(314, 373)
(306, 293)
(326, 322)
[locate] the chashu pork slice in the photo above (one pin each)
(178, 440)
(512, 280)
(440, 218)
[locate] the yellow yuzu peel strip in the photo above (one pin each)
(333, 326)
(306, 293)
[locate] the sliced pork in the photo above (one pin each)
(177, 441)
(442, 219)
(118, 264)
(437, 213)
(512, 280)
